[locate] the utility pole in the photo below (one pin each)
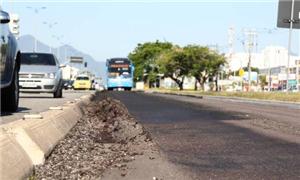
(291, 21)
(231, 38)
(251, 36)
(297, 74)
(36, 11)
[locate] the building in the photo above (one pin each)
(271, 62)
(271, 56)
(239, 60)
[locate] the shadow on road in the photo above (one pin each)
(20, 109)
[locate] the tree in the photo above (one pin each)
(263, 81)
(197, 57)
(203, 63)
(173, 64)
(144, 59)
(216, 61)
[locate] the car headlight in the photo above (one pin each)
(50, 75)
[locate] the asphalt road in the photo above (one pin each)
(34, 103)
(221, 139)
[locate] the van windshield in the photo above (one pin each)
(37, 59)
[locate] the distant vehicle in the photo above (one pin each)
(9, 66)
(82, 82)
(68, 84)
(119, 74)
(41, 73)
(99, 87)
(98, 84)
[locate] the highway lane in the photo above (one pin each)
(219, 139)
(35, 103)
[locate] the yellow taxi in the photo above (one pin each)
(82, 82)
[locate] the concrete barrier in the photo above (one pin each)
(25, 143)
(14, 162)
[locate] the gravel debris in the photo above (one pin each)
(106, 137)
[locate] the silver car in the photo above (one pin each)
(41, 73)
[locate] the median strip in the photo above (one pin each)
(27, 142)
(107, 143)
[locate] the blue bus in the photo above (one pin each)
(119, 74)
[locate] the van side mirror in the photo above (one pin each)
(4, 17)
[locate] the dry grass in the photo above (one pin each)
(276, 96)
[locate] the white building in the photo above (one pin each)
(271, 56)
(275, 56)
(273, 60)
(240, 60)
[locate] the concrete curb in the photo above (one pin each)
(27, 142)
(177, 94)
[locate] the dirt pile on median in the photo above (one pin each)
(107, 136)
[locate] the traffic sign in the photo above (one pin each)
(284, 14)
(241, 72)
(76, 59)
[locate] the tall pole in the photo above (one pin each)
(297, 74)
(231, 38)
(65, 52)
(58, 55)
(269, 74)
(249, 72)
(35, 44)
(251, 34)
(289, 46)
(36, 11)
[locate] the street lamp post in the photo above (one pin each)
(50, 25)
(251, 36)
(58, 38)
(36, 11)
(291, 21)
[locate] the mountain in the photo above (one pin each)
(27, 42)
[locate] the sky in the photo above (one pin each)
(106, 29)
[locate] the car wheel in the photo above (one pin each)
(10, 95)
(58, 93)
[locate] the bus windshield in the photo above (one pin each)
(116, 70)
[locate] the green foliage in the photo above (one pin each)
(175, 62)
(144, 58)
(204, 63)
(263, 81)
(253, 69)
